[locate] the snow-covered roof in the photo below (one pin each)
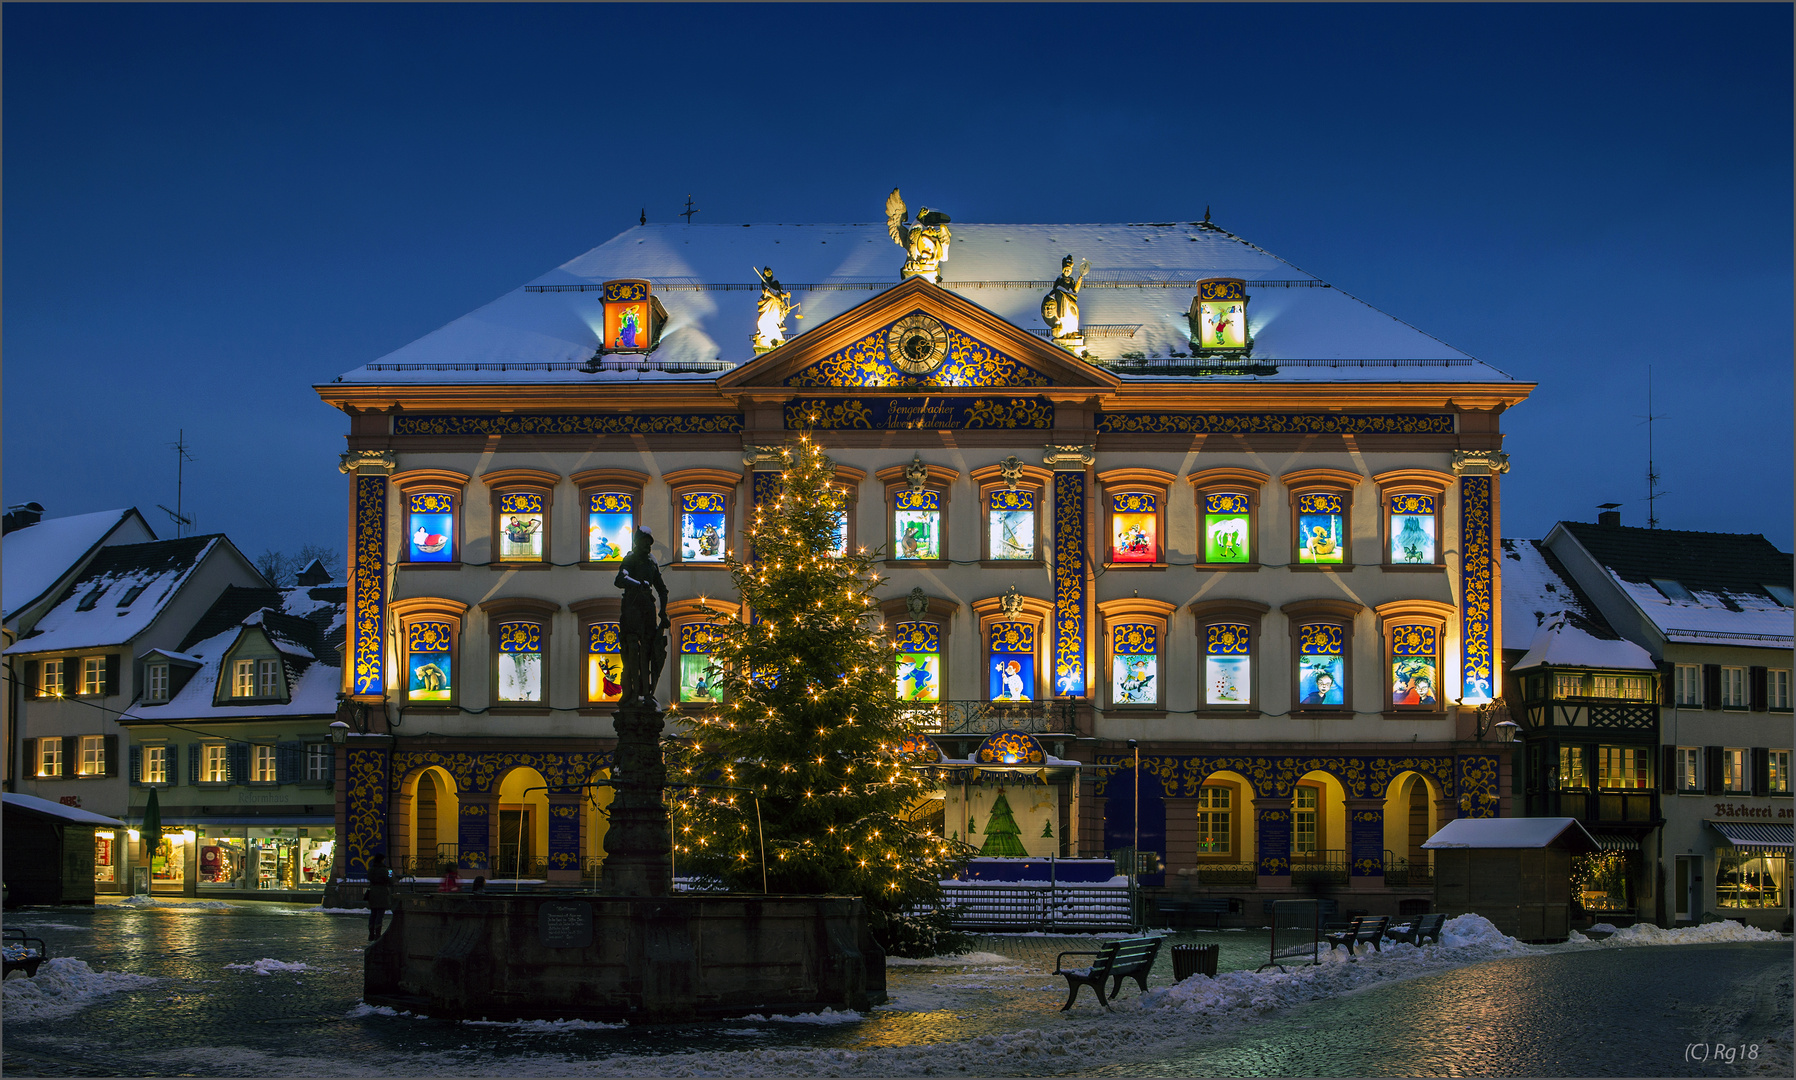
(1562, 644)
(58, 810)
(1537, 590)
(120, 593)
(1134, 300)
(1526, 832)
(36, 557)
(170, 654)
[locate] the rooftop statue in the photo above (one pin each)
(771, 311)
(925, 244)
(643, 633)
(1060, 308)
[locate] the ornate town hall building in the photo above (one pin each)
(1130, 482)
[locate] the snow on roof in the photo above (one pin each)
(1537, 588)
(36, 557)
(1530, 832)
(56, 810)
(1134, 300)
(1562, 644)
(1708, 619)
(119, 594)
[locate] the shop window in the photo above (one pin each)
(1571, 768)
(1688, 684)
(919, 662)
(430, 633)
(1734, 778)
(93, 755)
(1689, 764)
(49, 757)
(1777, 772)
(1733, 687)
(51, 686)
(604, 662)
(1227, 513)
(1623, 767)
(156, 682)
(93, 675)
(1306, 831)
(521, 662)
(319, 762)
(1777, 689)
(1215, 819)
(1134, 507)
(1752, 878)
(522, 501)
(1321, 665)
(155, 763)
(1010, 648)
(1010, 523)
(698, 674)
(262, 768)
(1134, 664)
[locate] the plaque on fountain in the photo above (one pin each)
(565, 924)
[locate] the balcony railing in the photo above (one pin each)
(1322, 868)
(986, 717)
(1404, 874)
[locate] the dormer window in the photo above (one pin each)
(156, 682)
(633, 317)
(1673, 590)
(255, 678)
(1218, 318)
(131, 594)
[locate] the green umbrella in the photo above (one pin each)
(151, 826)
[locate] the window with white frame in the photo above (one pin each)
(1213, 819)
(1623, 767)
(93, 755)
(268, 678)
(156, 682)
(155, 764)
(1303, 821)
(213, 766)
(318, 762)
(93, 674)
(1688, 684)
(51, 684)
(262, 767)
(1777, 688)
(1733, 688)
(1777, 774)
(1734, 777)
(49, 757)
(243, 678)
(1689, 759)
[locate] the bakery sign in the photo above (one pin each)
(1741, 810)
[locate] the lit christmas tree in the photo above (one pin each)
(810, 723)
(1001, 831)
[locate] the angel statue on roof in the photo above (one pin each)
(771, 311)
(925, 244)
(1060, 308)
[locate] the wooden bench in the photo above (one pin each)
(23, 953)
(1213, 906)
(1129, 958)
(1364, 929)
(1418, 930)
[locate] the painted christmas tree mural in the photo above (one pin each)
(1001, 831)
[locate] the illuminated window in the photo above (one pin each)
(243, 678)
(155, 763)
(1777, 688)
(1228, 664)
(215, 767)
(521, 518)
(1734, 777)
(156, 678)
(93, 674)
(633, 317)
(1626, 767)
(1010, 523)
(1571, 768)
(52, 678)
(519, 657)
(698, 675)
(1227, 512)
(1689, 763)
(704, 527)
(1688, 681)
(268, 678)
(1010, 659)
(917, 524)
(93, 755)
(1214, 819)
(429, 665)
(319, 760)
(430, 527)
(1733, 688)
(1752, 877)
(1305, 831)
(1778, 772)
(1218, 318)
(49, 757)
(1134, 663)
(1135, 527)
(1415, 669)
(610, 525)
(1321, 665)
(919, 662)
(604, 662)
(262, 768)
(1321, 529)
(1412, 528)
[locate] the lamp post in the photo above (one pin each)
(1135, 841)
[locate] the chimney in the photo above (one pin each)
(22, 516)
(1609, 517)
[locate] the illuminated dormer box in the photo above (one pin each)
(633, 317)
(1218, 318)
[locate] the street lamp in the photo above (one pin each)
(339, 732)
(1135, 839)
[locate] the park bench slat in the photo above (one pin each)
(1130, 958)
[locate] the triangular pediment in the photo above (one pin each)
(918, 336)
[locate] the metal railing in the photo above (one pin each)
(1323, 868)
(1246, 875)
(1051, 907)
(986, 717)
(1404, 874)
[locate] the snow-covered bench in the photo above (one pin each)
(22, 953)
(1363, 930)
(1129, 958)
(1418, 930)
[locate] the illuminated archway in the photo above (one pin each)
(523, 833)
(432, 818)
(1410, 816)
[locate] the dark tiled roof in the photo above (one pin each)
(143, 560)
(1713, 562)
(232, 607)
(1562, 594)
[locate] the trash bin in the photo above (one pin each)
(1189, 960)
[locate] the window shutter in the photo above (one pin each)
(71, 677)
(1668, 770)
(169, 761)
(1712, 761)
(111, 674)
(71, 754)
(1668, 682)
(286, 762)
(194, 774)
(136, 766)
(1757, 679)
(1711, 686)
(1761, 769)
(31, 762)
(109, 748)
(237, 763)
(34, 686)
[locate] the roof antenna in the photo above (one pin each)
(181, 458)
(644, 219)
(690, 210)
(1652, 474)
(1206, 215)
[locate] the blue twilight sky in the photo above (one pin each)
(210, 208)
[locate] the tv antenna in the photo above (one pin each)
(689, 211)
(181, 458)
(1652, 473)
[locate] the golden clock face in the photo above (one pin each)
(917, 343)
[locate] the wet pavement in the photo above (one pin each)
(1628, 1011)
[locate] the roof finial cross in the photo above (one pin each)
(689, 211)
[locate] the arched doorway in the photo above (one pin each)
(1410, 818)
(523, 840)
(595, 822)
(432, 820)
(1320, 843)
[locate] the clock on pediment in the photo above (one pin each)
(917, 343)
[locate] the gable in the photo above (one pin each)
(871, 361)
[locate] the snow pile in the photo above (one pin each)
(1477, 932)
(157, 902)
(827, 1016)
(17, 952)
(362, 1008)
(62, 986)
(1707, 933)
(542, 1027)
(957, 960)
(268, 966)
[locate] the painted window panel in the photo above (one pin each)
(1414, 678)
(1223, 323)
(698, 675)
(917, 524)
(1321, 673)
(520, 661)
(429, 669)
(1010, 517)
(430, 528)
(1228, 663)
(610, 524)
(1135, 527)
(1011, 647)
(521, 527)
(838, 545)
(703, 527)
(604, 662)
(1321, 530)
(919, 670)
(1412, 528)
(1228, 528)
(1134, 664)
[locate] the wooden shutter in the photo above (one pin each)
(1760, 764)
(237, 763)
(194, 774)
(31, 762)
(287, 762)
(1712, 762)
(1711, 686)
(136, 765)
(109, 750)
(71, 753)
(34, 685)
(71, 676)
(1668, 770)
(1668, 682)
(111, 674)
(173, 773)
(1760, 691)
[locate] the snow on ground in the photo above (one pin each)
(957, 960)
(827, 1016)
(269, 966)
(27, 925)
(1706, 933)
(160, 902)
(62, 986)
(536, 1027)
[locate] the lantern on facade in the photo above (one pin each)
(633, 317)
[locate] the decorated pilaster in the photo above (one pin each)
(1479, 570)
(367, 764)
(364, 673)
(1272, 840)
(1071, 602)
(564, 835)
(474, 831)
(1365, 831)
